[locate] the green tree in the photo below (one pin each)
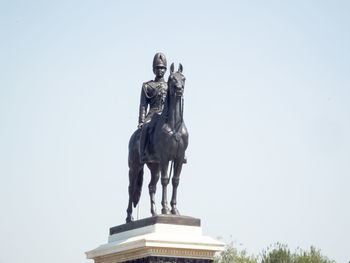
(233, 255)
(278, 253)
(312, 256)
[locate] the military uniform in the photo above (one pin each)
(153, 94)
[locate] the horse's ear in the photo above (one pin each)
(180, 68)
(172, 68)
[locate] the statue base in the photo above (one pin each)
(163, 238)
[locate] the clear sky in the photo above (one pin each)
(267, 106)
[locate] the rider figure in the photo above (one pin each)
(153, 94)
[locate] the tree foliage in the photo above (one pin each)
(233, 255)
(312, 256)
(277, 253)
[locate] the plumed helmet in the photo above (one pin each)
(159, 60)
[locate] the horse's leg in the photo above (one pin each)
(176, 178)
(132, 179)
(165, 182)
(154, 167)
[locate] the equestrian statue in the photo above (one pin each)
(161, 138)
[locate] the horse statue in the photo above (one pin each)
(168, 141)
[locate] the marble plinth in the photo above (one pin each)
(162, 238)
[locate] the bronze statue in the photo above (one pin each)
(165, 138)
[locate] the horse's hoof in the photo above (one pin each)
(129, 219)
(174, 211)
(154, 213)
(165, 211)
(153, 209)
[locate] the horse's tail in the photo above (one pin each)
(135, 168)
(138, 188)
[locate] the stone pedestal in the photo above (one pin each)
(163, 238)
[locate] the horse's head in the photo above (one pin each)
(176, 81)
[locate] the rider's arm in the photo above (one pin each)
(143, 106)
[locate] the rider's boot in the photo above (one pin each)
(143, 144)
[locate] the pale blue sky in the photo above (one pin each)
(267, 106)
